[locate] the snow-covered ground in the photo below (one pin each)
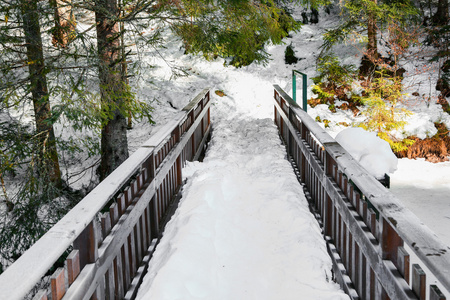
(424, 188)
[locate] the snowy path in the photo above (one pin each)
(243, 229)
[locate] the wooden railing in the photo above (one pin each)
(112, 232)
(379, 248)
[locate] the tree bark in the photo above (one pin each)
(64, 22)
(369, 59)
(441, 17)
(48, 156)
(114, 144)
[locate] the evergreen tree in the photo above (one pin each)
(48, 164)
(114, 145)
(232, 29)
(364, 20)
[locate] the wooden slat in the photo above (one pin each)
(121, 204)
(435, 293)
(138, 240)
(118, 277)
(357, 270)
(87, 244)
(73, 266)
(110, 284)
(128, 196)
(105, 224)
(125, 266)
(134, 190)
(363, 272)
(351, 258)
(132, 254)
(57, 282)
(390, 241)
(418, 281)
(372, 222)
(114, 214)
(403, 260)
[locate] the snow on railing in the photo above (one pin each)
(113, 231)
(372, 238)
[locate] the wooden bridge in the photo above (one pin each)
(380, 250)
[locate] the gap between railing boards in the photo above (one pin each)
(373, 238)
(111, 249)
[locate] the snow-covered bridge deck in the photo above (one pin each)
(243, 229)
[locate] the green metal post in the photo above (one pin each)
(304, 86)
(294, 86)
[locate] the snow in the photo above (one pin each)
(243, 229)
(424, 188)
(373, 153)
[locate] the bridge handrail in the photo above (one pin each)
(338, 177)
(164, 152)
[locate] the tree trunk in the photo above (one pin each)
(369, 59)
(48, 156)
(441, 16)
(64, 22)
(114, 144)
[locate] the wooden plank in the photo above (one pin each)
(109, 284)
(435, 293)
(105, 224)
(403, 261)
(154, 219)
(57, 282)
(363, 272)
(144, 245)
(371, 221)
(344, 245)
(128, 196)
(390, 241)
(118, 277)
(73, 266)
(357, 270)
(87, 244)
(138, 241)
(351, 255)
(418, 281)
(114, 214)
(134, 189)
(125, 266)
(357, 201)
(372, 284)
(121, 204)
